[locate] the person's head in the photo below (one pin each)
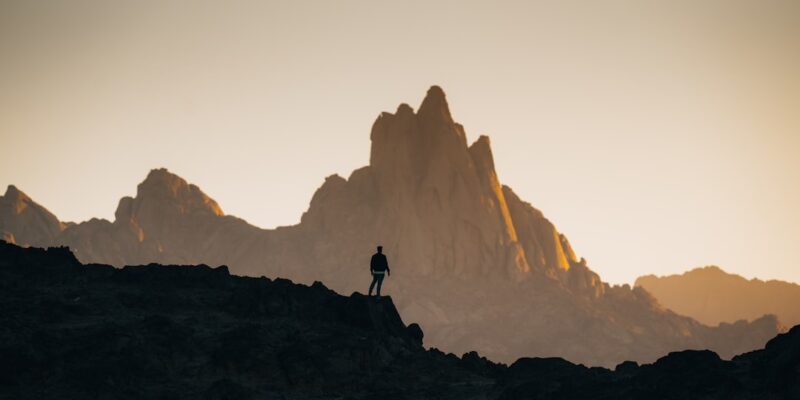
(380, 249)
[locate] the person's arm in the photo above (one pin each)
(388, 271)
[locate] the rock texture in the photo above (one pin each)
(712, 296)
(69, 330)
(476, 266)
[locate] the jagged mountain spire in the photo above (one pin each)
(434, 108)
(433, 186)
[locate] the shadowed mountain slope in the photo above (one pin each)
(711, 296)
(69, 330)
(476, 266)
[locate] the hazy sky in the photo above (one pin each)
(658, 136)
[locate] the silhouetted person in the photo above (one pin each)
(378, 266)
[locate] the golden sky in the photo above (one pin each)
(657, 135)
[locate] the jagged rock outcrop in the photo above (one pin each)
(712, 296)
(25, 222)
(70, 331)
(169, 221)
(476, 266)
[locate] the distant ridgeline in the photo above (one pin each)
(476, 266)
(712, 296)
(69, 330)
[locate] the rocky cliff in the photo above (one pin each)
(476, 266)
(712, 296)
(69, 330)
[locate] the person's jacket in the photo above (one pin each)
(378, 263)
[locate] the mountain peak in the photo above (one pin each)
(481, 152)
(711, 295)
(166, 187)
(711, 269)
(162, 177)
(434, 106)
(24, 221)
(404, 108)
(17, 199)
(13, 193)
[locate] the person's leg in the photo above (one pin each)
(372, 285)
(380, 282)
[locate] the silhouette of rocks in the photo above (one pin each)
(415, 332)
(69, 330)
(476, 266)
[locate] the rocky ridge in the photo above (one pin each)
(712, 296)
(69, 330)
(475, 265)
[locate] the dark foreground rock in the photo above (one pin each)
(69, 330)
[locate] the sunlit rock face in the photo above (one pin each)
(475, 265)
(426, 197)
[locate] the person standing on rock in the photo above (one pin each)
(378, 266)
